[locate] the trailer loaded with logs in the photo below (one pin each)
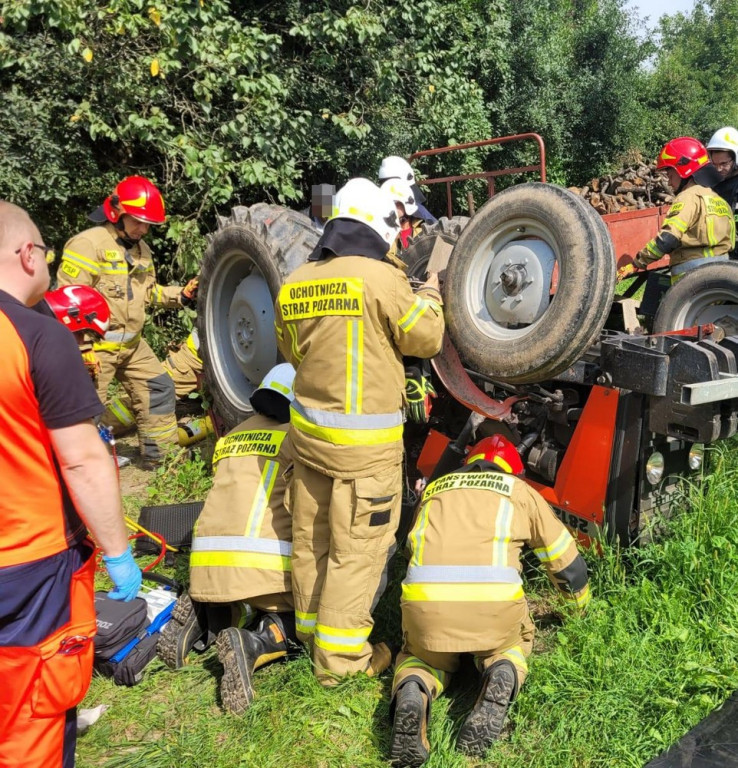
(608, 422)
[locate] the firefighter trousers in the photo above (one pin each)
(343, 534)
(435, 668)
(151, 391)
(44, 680)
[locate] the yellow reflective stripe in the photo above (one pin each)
(340, 639)
(462, 593)
(117, 268)
(354, 365)
(677, 223)
(241, 560)
(503, 527)
(346, 436)
(411, 317)
(158, 294)
(582, 598)
(118, 409)
(711, 231)
(417, 536)
(278, 331)
(293, 337)
(89, 265)
(305, 622)
(415, 663)
(192, 347)
(279, 387)
(651, 247)
(261, 499)
(160, 433)
(516, 656)
(114, 346)
(555, 550)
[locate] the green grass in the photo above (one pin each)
(654, 654)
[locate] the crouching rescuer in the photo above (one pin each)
(344, 320)
(113, 258)
(463, 593)
(240, 561)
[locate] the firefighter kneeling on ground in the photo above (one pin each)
(344, 320)
(241, 549)
(699, 228)
(113, 258)
(463, 593)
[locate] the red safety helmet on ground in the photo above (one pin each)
(80, 308)
(500, 451)
(685, 155)
(137, 197)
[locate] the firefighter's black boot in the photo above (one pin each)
(483, 724)
(411, 714)
(187, 627)
(241, 651)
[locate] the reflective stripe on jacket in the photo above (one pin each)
(243, 538)
(345, 323)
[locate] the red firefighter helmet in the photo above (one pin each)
(685, 155)
(137, 197)
(80, 308)
(500, 451)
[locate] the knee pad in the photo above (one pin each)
(162, 396)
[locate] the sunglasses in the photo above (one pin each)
(49, 253)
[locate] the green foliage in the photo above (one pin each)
(183, 476)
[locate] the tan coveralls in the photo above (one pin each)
(463, 592)
(243, 538)
(126, 278)
(699, 229)
(344, 323)
(183, 365)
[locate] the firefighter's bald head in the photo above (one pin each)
(24, 273)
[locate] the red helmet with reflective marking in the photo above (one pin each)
(137, 197)
(685, 155)
(500, 451)
(80, 308)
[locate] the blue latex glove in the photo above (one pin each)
(125, 574)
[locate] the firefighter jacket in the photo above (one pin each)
(125, 277)
(345, 323)
(463, 590)
(699, 228)
(242, 542)
(184, 365)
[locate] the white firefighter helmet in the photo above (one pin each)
(394, 167)
(401, 192)
(725, 140)
(363, 201)
(279, 380)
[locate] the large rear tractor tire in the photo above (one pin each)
(707, 294)
(529, 284)
(243, 268)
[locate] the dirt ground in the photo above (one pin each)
(134, 480)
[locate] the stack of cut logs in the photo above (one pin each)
(630, 189)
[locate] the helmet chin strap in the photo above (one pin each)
(127, 241)
(682, 184)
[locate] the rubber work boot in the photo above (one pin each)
(483, 724)
(241, 652)
(411, 706)
(187, 627)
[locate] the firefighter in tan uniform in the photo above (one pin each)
(463, 594)
(699, 228)
(114, 259)
(184, 367)
(241, 549)
(344, 320)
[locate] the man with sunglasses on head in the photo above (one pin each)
(58, 480)
(113, 258)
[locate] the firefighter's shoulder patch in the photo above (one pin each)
(675, 208)
(112, 255)
(69, 269)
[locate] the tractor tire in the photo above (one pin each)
(529, 284)
(242, 271)
(419, 249)
(707, 294)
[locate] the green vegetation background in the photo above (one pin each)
(656, 651)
